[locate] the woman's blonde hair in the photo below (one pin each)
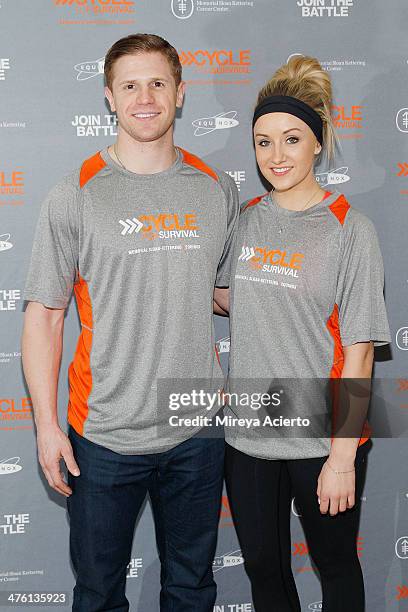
(304, 78)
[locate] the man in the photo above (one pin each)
(141, 234)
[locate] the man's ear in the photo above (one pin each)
(181, 90)
(108, 94)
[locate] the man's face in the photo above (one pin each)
(144, 95)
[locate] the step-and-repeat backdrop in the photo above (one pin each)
(53, 116)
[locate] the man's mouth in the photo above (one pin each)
(145, 116)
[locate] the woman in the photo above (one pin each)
(306, 304)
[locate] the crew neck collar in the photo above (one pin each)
(327, 201)
(164, 174)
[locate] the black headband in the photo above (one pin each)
(287, 104)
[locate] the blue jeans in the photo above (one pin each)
(185, 486)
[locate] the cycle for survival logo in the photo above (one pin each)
(162, 227)
(81, 12)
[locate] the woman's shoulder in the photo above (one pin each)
(251, 203)
(350, 218)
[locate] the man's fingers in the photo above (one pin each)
(70, 462)
(56, 480)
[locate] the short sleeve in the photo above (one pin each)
(232, 197)
(54, 258)
(360, 288)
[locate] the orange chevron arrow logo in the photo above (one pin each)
(300, 548)
(402, 592)
(403, 169)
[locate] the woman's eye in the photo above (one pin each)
(263, 143)
(292, 139)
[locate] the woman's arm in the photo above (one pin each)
(221, 301)
(336, 491)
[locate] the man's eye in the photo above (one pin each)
(158, 84)
(129, 86)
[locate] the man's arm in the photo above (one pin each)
(41, 355)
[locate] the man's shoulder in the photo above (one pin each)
(66, 188)
(197, 164)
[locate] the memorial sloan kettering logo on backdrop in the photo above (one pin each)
(222, 121)
(402, 120)
(184, 9)
(401, 338)
(401, 547)
(336, 65)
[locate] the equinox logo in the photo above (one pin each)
(10, 466)
(333, 177)
(87, 70)
(222, 121)
(231, 559)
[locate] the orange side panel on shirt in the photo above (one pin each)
(196, 162)
(79, 373)
(337, 366)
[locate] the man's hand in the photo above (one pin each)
(54, 445)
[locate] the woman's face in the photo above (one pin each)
(285, 149)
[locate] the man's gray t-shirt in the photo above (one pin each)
(142, 254)
(303, 285)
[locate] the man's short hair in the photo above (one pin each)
(142, 43)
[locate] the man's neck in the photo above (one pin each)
(143, 157)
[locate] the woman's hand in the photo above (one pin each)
(336, 492)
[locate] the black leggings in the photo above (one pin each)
(260, 493)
